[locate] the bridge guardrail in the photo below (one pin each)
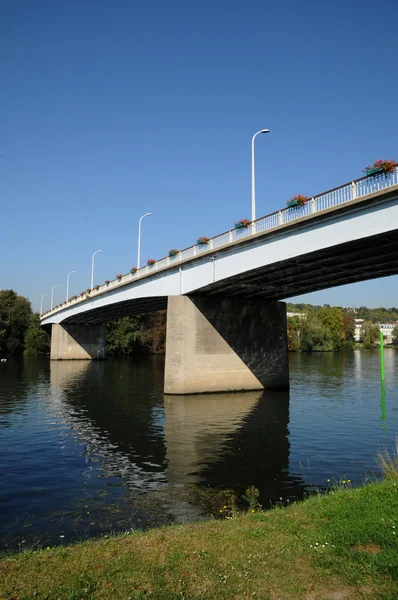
(339, 195)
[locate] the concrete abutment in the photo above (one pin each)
(78, 342)
(225, 344)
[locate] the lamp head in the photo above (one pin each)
(264, 131)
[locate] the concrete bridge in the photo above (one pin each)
(226, 329)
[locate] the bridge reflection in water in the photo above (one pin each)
(133, 432)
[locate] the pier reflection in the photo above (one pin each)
(231, 441)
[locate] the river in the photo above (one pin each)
(90, 448)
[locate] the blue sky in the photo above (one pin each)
(113, 109)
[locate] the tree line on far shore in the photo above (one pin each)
(318, 328)
(20, 331)
(326, 328)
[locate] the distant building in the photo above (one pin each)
(386, 328)
(358, 325)
(300, 315)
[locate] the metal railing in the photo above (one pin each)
(349, 191)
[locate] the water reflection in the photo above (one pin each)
(231, 441)
(113, 418)
(98, 442)
(197, 431)
(383, 407)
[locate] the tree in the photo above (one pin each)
(395, 336)
(315, 336)
(332, 319)
(153, 334)
(122, 335)
(37, 340)
(370, 334)
(349, 331)
(294, 326)
(15, 313)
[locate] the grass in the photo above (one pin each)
(339, 546)
(388, 463)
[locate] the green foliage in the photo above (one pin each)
(37, 340)
(395, 336)
(370, 334)
(123, 335)
(15, 313)
(332, 320)
(137, 334)
(294, 327)
(315, 336)
(252, 497)
(349, 331)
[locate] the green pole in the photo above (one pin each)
(382, 356)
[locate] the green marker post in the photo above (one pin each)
(382, 357)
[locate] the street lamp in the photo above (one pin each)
(92, 268)
(41, 304)
(253, 177)
(52, 294)
(67, 284)
(139, 238)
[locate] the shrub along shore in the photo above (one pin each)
(338, 546)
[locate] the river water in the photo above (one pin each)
(87, 448)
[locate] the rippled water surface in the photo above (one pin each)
(92, 447)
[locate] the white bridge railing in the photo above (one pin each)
(340, 195)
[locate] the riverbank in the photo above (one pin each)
(337, 546)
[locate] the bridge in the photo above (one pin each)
(226, 326)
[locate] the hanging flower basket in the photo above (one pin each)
(297, 201)
(173, 252)
(119, 276)
(133, 270)
(150, 262)
(202, 241)
(242, 223)
(380, 167)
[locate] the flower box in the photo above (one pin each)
(119, 276)
(133, 270)
(297, 201)
(88, 290)
(150, 262)
(242, 223)
(380, 167)
(373, 172)
(107, 281)
(173, 253)
(97, 287)
(202, 241)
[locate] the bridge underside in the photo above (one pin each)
(352, 262)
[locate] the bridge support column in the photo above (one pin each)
(78, 342)
(225, 344)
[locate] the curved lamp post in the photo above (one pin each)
(139, 239)
(92, 268)
(52, 294)
(41, 303)
(67, 285)
(254, 178)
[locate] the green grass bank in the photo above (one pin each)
(337, 546)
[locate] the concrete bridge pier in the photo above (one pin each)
(218, 344)
(78, 342)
